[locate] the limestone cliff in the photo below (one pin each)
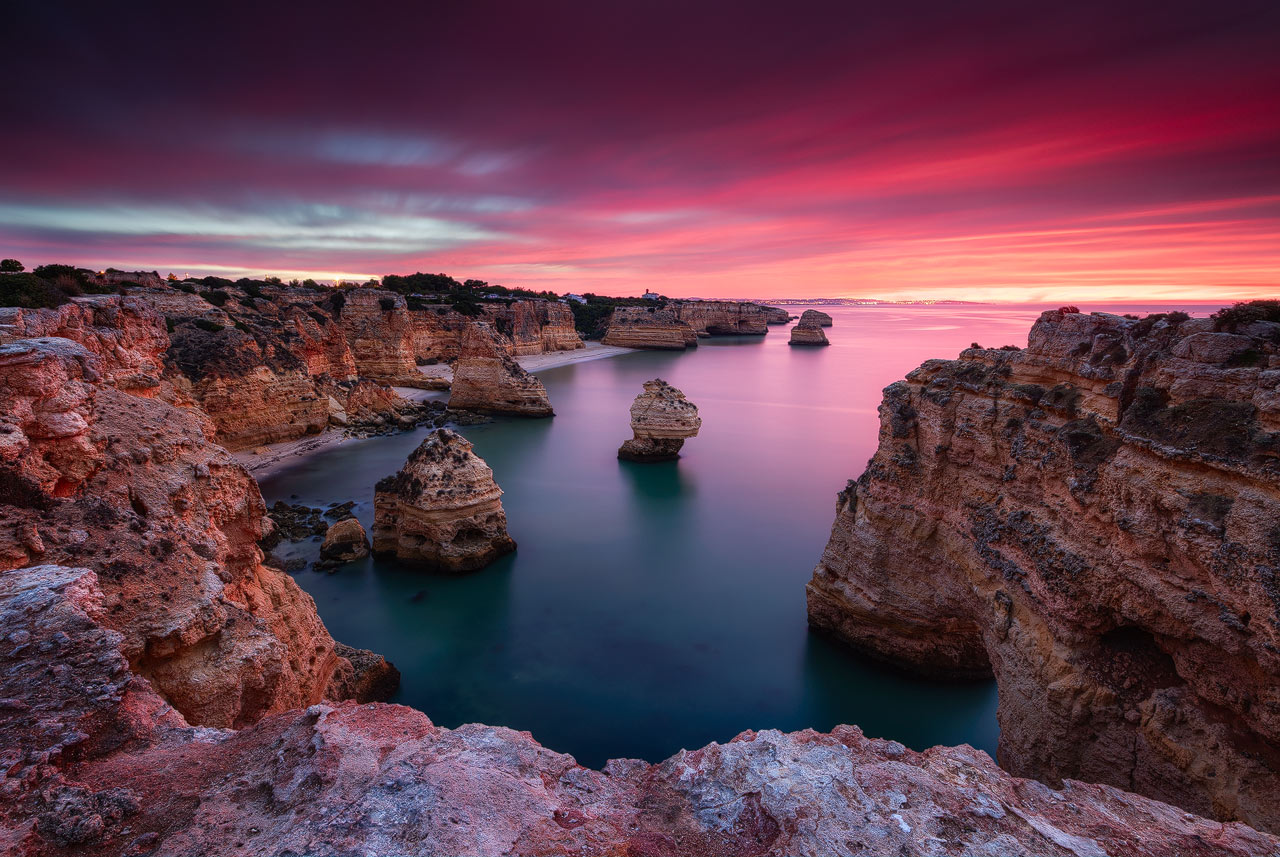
(775, 315)
(486, 378)
(649, 327)
(722, 318)
(131, 487)
(815, 317)
(808, 331)
(661, 419)
(381, 335)
(116, 771)
(442, 510)
(1094, 519)
(535, 327)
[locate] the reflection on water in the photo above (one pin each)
(659, 606)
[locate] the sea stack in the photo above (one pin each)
(808, 331)
(815, 317)
(661, 419)
(442, 510)
(488, 379)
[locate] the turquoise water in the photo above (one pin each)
(652, 607)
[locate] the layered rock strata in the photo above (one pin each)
(442, 510)
(92, 475)
(661, 419)
(536, 327)
(381, 335)
(775, 315)
(117, 771)
(345, 541)
(815, 317)
(808, 332)
(650, 328)
(1094, 519)
(722, 318)
(486, 378)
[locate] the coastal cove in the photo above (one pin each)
(654, 607)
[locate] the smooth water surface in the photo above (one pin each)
(652, 607)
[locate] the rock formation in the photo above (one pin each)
(116, 771)
(381, 335)
(442, 510)
(92, 475)
(536, 327)
(661, 419)
(722, 318)
(808, 331)
(815, 317)
(775, 315)
(1094, 519)
(487, 379)
(345, 541)
(649, 327)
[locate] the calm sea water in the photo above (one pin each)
(652, 607)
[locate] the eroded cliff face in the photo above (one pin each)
(816, 318)
(1093, 519)
(536, 327)
(119, 772)
(722, 318)
(443, 509)
(487, 379)
(93, 475)
(661, 420)
(808, 331)
(649, 327)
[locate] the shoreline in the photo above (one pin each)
(268, 460)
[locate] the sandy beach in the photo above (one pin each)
(264, 461)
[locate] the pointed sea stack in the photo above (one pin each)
(488, 379)
(661, 418)
(442, 510)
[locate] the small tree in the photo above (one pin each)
(173, 278)
(12, 266)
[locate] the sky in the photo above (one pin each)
(973, 151)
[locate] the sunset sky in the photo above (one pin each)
(1021, 151)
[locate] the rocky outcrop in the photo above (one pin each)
(345, 541)
(650, 328)
(381, 335)
(535, 327)
(807, 332)
(815, 317)
(116, 771)
(722, 318)
(131, 488)
(775, 315)
(442, 510)
(1094, 519)
(661, 419)
(487, 379)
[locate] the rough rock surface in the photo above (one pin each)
(442, 510)
(488, 379)
(381, 335)
(91, 475)
(808, 332)
(661, 419)
(815, 317)
(722, 318)
(775, 315)
(649, 327)
(344, 541)
(1093, 519)
(116, 771)
(536, 327)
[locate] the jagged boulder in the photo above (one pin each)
(345, 541)
(442, 510)
(815, 317)
(807, 332)
(661, 419)
(488, 379)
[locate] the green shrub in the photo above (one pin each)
(205, 324)
(1245, 313)
(29, 291)
(11, 266)
(217, 297)
(387, 304)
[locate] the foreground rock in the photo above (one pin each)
(1093, 519)
(117, 771)
(649, 328)
(487, 379)
(808, 332)
(661, 419)
(345, 541)
(443, 510)
(816, 318)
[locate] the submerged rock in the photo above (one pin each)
(815, 317)
(443, 510)
(661, 419)
(488, 379)
(345, 541)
